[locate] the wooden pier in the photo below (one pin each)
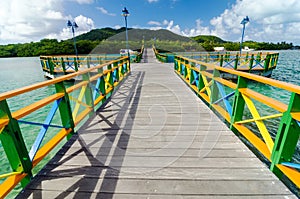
(151, 140)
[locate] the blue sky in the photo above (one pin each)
(184, 12)
(270, 20)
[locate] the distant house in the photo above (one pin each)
(219, 48)
(246, 48)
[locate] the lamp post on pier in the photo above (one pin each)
(244, 22)
(73, 26)
(125, 14)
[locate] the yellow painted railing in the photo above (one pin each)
(66, 64)
(241, 107)
(261, 63)
(71, 104)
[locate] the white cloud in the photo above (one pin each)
(31, 20)
(170, 25)
(165, 22)
(104, 11)
(117, 27)
(198, 30)
(154, 23)
(85, 24)
(270, 20)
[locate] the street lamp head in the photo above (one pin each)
(72, 25)
(245, 20)
(69, 23)
(125, 12)
(75, 24)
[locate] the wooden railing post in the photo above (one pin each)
(65, 109)
(238, 103)
(51, 66)
(88, 61)
(14, 145)
(267, 63)
(258, 57)
(251, 62)
(214, 88)
(221, 60)
(247, 56)
(176, 63)
(116, 68)
(236, 62)
(186, 62)
(287, 136)
(201, 84)
(181, 66)
(192, 78)
(76, 63)
(88, 94)
(63, 65)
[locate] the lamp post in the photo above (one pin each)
(125, 14)
(73, 26)
(244, 22)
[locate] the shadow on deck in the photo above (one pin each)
(98, 146)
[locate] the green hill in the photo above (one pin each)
(208, 38)
(109, 40)
(133, 35)
(148, 35)
(99, 34)
(164, 40)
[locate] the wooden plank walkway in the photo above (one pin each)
(155, 139)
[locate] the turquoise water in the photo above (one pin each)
(18, 72)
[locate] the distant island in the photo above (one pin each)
(109, 40)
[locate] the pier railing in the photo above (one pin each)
(69, 63)
(66, 107)
(262, 63)
(161, 57)
(139, 56)
(66, 64)
(274, 134)
(247, 61)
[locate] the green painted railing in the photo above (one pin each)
(139, 56)
(252, 62)
(261, 63)
(161, 57)
(71, 104)
(58, 65)
(66, 64)
(240, 107)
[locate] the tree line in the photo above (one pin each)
(46, 47)
(209, 42)
(110, 41)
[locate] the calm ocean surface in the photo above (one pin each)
(19, 72)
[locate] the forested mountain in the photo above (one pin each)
(208, 38)
(100, 34)
(148, 35)
(105, 40)
(109, 40)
